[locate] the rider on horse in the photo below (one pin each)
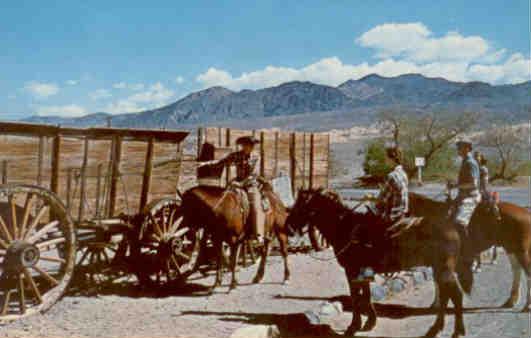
(247, 164)
(391, 205)
(392, 202)
(486, 196)
(468, 196)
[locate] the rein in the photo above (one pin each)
(351, 242)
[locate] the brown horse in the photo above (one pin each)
(219, 211)
(512, 232)
(431, 243)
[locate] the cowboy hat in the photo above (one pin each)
(247, 140)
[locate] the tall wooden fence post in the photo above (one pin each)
(275, 164)
(146, 180)
(292, 162)
(312, 157)
(200, 132)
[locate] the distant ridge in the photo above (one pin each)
(357, 101)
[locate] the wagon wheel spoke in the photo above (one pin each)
(5, 304)
(84, 256)
(36, 220)
(155, 225)
(54, 259)
(36, 292)
(182, 255)
(170, 220)
(43, 231)
(14, 220)
(5, 230)
(28, 205)
(46, 275)
(21, 295)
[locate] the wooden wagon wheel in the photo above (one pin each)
(96, 262)
(166, 250)
(37, 250)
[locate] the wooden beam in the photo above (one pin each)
(99, 171)
(200, 132)
(69, 189)
(146, 180)
(275, 164)
(40, 159)
(4, 172)
(55, 163)
(292, 163)
(262, 154)
(37, 130)
(115, 173)
(312, 155)
(83, 178)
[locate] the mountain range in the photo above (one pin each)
(306, 105)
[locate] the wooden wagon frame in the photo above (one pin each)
(40, 240)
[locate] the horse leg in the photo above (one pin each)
(525, 263)
(234, 250)
(261, 268)
(218, 248)
(515, 288)
(371, 312)
(354, 287)
(439, 322)
(437, 298)
(283, 241)
(457, 299)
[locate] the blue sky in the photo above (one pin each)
(73, 58)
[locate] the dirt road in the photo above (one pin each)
(123, 311)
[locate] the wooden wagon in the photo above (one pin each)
(47, 229)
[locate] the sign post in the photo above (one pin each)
(419, 163)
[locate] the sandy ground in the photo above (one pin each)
(187, 312)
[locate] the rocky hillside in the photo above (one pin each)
(355, 101)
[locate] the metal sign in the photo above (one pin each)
(420, 161)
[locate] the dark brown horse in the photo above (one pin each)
(513, 233)
(220, 213)
(431, 243)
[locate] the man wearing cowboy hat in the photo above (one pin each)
(247, 165)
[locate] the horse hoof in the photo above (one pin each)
(369, 325)
(508, 304)
(432, 332)
(286, 282)
(525, 309)
(351, 332)
(256, 280)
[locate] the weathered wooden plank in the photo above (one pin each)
(146, 179)
(55, 164)
(83, 178)
(115, 173)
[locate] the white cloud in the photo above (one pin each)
(41, 90)
(119, 85)
(100, 94)
(64, 111)
(414, 41)
(400, 49)
(179, 79)
(130, 86)
(72, 82)
(155, 96)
